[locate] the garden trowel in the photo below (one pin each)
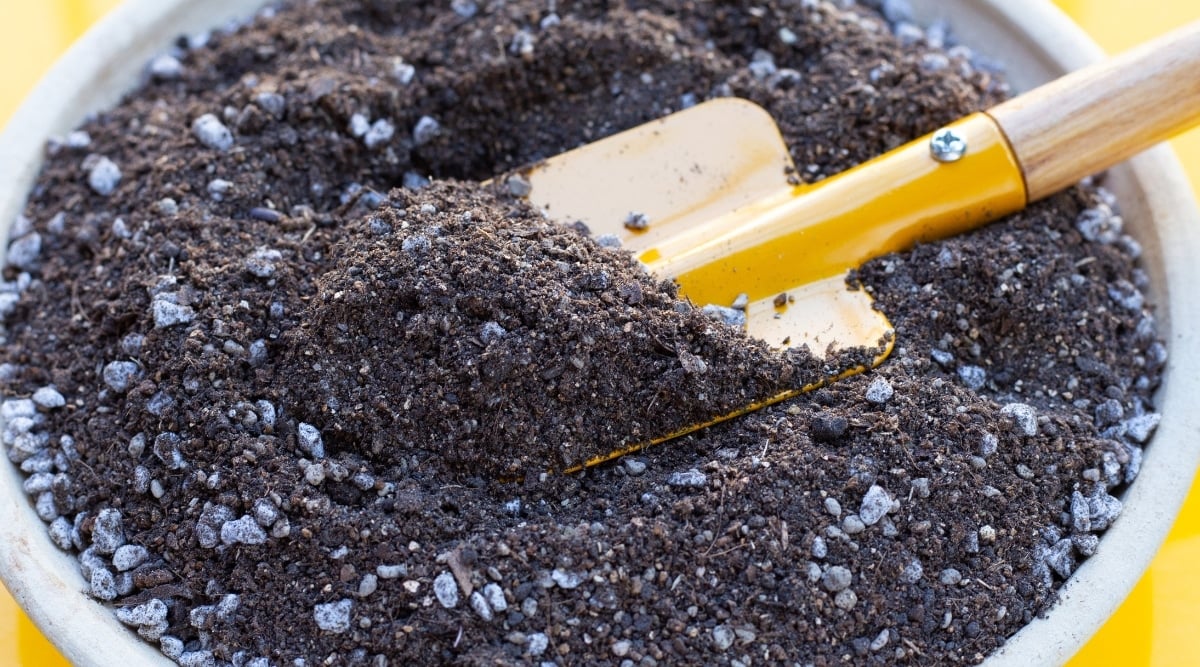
(703, 196)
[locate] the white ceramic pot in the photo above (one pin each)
(1034, 39)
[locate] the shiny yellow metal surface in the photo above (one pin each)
(676, 173)
(812, 232)
(1156, 626)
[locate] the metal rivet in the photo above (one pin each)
(947, 145)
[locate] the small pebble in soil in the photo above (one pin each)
(881, 640)
(950, 577)
(1085, 545)
(1024, 418)
(266, 215)
(120, 375)
(689, 478)
(1141, 427)
(989, 444)
(359, 125)
(103, 176)
(723, 637)
(853, 525)
(403, 72)
(566, 579)
(166, 67)
(333, 616)
(491, 332)
(846, 599)
(172, 647)
(265, 512)
(445, 588)
(481, 607)
(211, 132)
(77, 139)
(8, 303)
(942, 357)
(638, 222)
(537, 643)
(835, 579)
(203, 658)
(833, 506)
(875, 504)
(60, 533)
(1099, 225)
(819, 549)
(1060, 559)
(242, 531)
(146, 615)
(495, 597)
(129, 556)
(380, 132)
(426, 130)
(731, 316)
(310, 441)
(167, 313)
(464, 8)
(273, 103)
(912, 572)
(48, 398)
(880, 391)
(103, 585)
(973, 377)
(23, 253)
(415, 181)
(762, 64)
(391, 571)
(368, 585)
(218, 188)
(263, 262)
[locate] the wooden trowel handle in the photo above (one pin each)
(1092, 119)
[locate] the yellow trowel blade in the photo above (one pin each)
(677, 172)
(672, 178)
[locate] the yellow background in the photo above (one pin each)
(1156, 626)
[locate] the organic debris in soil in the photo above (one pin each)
(174, 286)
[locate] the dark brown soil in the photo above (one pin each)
(472, 328)
(304, 386)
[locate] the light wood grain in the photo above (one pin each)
(1092, 119)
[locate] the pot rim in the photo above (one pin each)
(109, 60)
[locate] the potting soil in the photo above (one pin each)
(291, 402)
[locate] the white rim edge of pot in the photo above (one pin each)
(1037, 41)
